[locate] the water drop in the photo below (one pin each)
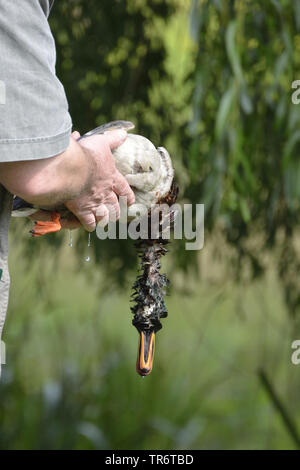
(71, 239)
(87, 257)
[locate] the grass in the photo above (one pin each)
(70, 380)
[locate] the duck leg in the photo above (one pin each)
(43, 227)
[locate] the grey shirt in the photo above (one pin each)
(34, 118)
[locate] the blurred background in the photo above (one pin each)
(210, 81)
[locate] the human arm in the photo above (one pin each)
(83, 177)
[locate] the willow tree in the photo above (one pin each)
(211, 81)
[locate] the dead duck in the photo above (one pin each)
(150, 173)
(148, 170)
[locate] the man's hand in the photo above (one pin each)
(99, 202)
(84, 178)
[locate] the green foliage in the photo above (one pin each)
(209, 80)
(70, 379)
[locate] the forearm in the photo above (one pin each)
(84, 178)
(50, 181)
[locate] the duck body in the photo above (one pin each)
(147, 169)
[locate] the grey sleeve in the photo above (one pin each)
(34, 118)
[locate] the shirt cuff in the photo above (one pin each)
(34, 148)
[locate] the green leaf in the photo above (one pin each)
(245, 101)
(289, 147)
(245, 211)
(232, 51)
(225, 106)
(292, 184)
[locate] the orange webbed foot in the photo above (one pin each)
(42, 228)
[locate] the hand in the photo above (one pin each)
(99, 201)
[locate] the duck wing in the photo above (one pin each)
(22, 208)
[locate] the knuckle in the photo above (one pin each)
(101, 209)
(88, 220)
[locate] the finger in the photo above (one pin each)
(102, 215)
(75, 135)
(115, 138)
(113, 206)
(88, 220)
(121, 188)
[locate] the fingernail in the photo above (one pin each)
(90, 228)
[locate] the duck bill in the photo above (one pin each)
(145, 353)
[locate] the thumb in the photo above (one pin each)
(75, 135)
(115, 138)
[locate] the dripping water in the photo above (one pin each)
(87, 257)
(71, 239)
